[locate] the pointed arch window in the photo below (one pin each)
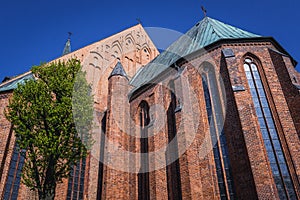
(12, 184)
(76, 181)
(271, 140)
(172, 158)
(143, 176)
(102, 149)
(216, 121)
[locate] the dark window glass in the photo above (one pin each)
(253, 68)
(262, 123)
(280, 157)
(253, 93)
(251, 84)
(267, 112)
(272, 158)
(261, 92)
(76, 181)
(12, 185)
(258, 84)
(256, 102)
(215, 118)
(248, 74)
(256, 76)
(265, 133)
(143, 177)
(268, 145)
(284, 171)
(258, 111)
(277, 145)
(102, 149)
(270, 122)
(263, 101)
(173, 169)
(269, 132)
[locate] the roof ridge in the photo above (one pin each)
(209, 22)
(105, 38)
(232, 28)
(14, 83)
(205, 32)
(16, 78)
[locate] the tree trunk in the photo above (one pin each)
(47, 194)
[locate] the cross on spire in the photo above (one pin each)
(139, 20)
(70, 33)
(204, 11)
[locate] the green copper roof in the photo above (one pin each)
(14, 84)
(118, 71)
(204, 33)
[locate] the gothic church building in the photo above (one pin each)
(214, 116)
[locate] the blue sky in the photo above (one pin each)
(35, 31)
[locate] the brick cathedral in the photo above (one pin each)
(214, 116)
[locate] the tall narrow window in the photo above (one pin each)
(143, 176)
(272, 144)
(101, 167)
(12, 185)
(216, 121)
(76, 181)
(173, 169)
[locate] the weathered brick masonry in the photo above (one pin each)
(204, 101)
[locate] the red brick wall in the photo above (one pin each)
(239, 158)
(116, 182)
(250, 167)
(288, 76)
(251, 170)
(7, 141)
(198, 178)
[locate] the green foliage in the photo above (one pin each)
(83, 115)
(44, 123)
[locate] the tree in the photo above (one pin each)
(44, 122)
